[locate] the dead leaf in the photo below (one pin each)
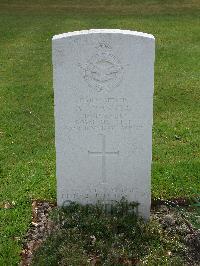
(8, 205)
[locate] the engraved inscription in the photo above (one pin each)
(103, 153)
(103, 70)
(112, 193)
(102, 114)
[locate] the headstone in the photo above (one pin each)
(103, 82)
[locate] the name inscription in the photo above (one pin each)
(102, 114)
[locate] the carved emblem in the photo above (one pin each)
(103, 70)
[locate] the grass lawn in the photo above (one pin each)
(27, 152)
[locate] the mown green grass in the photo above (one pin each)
(27, 153)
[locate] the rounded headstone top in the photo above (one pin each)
(103, 31)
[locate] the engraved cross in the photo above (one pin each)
(103, 153)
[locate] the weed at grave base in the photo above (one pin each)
(87, 235)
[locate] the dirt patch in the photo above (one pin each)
(172, 221)
(175, 222)
(41, 227)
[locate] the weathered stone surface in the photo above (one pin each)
(103, 82)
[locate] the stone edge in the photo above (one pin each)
(95, 31)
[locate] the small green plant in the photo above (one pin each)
(196, 198)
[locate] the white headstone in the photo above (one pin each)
(103, 82)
